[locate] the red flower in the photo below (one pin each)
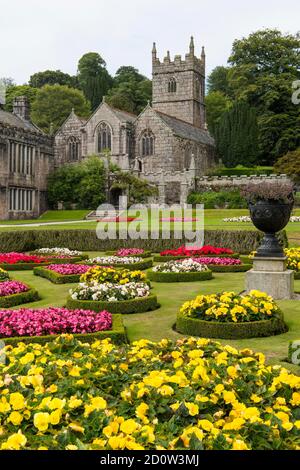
(205, 250)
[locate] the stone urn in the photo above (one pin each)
(270, 216)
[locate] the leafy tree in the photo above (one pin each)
(64, 184)
(52, 77)
(93, 78)
(218, 81)
(92, 186)
(289, 164)
(237, 136)
(19, 90)
(138, 190)
(53, 104)
(216, 105)
(7, 81)
(131, 90)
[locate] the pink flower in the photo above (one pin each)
(52, 321)
(218, 261)
(129, 251)
(194, 251)
(12, 287)
(66, 269)
(14, 258)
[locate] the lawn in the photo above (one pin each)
(159, 324)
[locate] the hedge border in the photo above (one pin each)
(296, 275)
(22, 266)
(235, 268)
(18, 299)
(117, 335)
(56, 278)
(71, 260)
(140, 266)
(179, 277)
(147, 254)
(138, 305)
(159, 258)
(292, 349)
(218, 330)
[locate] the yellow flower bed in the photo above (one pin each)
(293, 258)
(231, 307)
(4, 276)
(189, 395)
(112, 275)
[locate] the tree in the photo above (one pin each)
(237, 136)
(7, 82)
(131, 90)
(94, 80)
(19, 90)
(216, 105)
(93, 184)
(289, 164)
(53, 104)
(52, 77)
(218, 81)
(64, 184)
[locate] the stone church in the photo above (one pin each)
(167, 144)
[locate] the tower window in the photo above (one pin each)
(104, 137)
(172, 85)
(147, 144)
(73, 148)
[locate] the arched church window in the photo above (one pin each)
(104, 137)
(73, 149)
(147, 144)
(172, 85)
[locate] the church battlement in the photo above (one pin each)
(191, 61)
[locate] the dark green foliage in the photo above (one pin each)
(289, 164)
(240, 241)
(141, 266)
(52, 77)
(17, 299)
(209, 329)
(237, 135)
(93, 78)
(117, 334)
(54, 277)
(236, 268)
(241, 170)
(53, 104)
(294, 347)
(218, 200)
(138, 305)
(218, 81)
(179, 277)
(216, 105)
(14, 91)
(138, 190)
(21, 266)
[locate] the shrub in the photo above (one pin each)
(244, 171)
(179, 277)
(55, 277)
(116, 334)
(217, 200)
(277, 191)
(235, 268)
(189, 395)
(4, 276)
(31, 295)
(294, 352)
(138, 305)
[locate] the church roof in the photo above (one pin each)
(186, 130)
(15, 121)
(123, 115)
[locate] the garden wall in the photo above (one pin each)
(241, 241)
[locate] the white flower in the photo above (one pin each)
(111, 260)
(180, 266)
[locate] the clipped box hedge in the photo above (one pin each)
(296, 275)
(209, 329)
(141, 266)
(294, 352)
(18, 299)
(235, 268)
(240, 241)
(21, 266)
(138, 305)
(54, 277)
(146, 254)
(117, 334)
(72, 260)
(179, 277)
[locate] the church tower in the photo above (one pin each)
(179, 86)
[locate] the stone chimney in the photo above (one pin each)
(21, 107)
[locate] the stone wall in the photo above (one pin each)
(71, 128)
(206, 182)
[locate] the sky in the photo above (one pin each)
(36, 35)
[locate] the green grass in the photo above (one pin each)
(159, 324)
(51, 216)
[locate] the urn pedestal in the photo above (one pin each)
(271, 276)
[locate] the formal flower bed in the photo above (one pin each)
(193, 394)
(132, 297)
(188, 252)
(16, 293)
(180, 271)
(130, 262)
(246, 218)
(293, 260)
(140, 252)
(219, 315)
(101, 275)
(221, 265)
(62, 273)
(64, 252)
(20, 261)
(4, 276)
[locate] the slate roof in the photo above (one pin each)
(123, 115)
(15, 121)
(186, 130)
